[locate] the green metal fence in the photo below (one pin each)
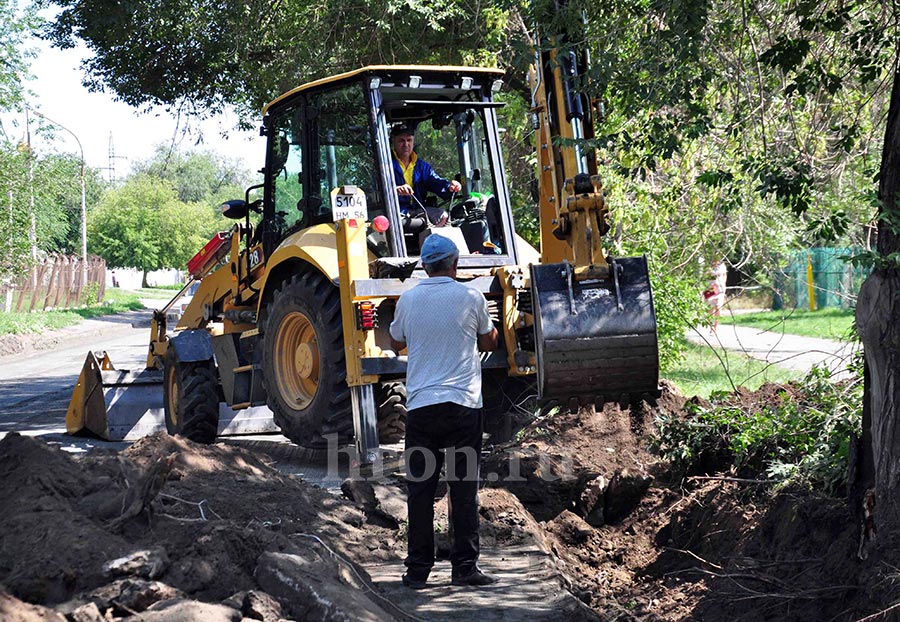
(835, 281)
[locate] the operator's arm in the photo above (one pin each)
(437, 184)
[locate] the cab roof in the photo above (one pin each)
(385, 70)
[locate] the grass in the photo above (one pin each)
(115, 301)
(701, 372)
(826, 323)
(157, 293)
(171, 286)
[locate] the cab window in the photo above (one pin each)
(286, 163)
(342, 148)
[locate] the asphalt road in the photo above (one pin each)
(35, 390)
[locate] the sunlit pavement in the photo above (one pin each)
(791, 351)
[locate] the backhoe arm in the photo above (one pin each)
(573, 214)
(594, 323)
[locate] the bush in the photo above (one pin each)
(679, 307)
(91, 293)
(803, 438)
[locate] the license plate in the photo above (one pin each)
(348, 202)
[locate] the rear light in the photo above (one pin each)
(366, 315)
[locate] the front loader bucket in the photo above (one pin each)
(115, 404)
(596, 340)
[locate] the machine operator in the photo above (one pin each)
(415, 178)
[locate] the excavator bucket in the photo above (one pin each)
(115, 404)
(596, 340)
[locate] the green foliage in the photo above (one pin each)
(17, 22)
(14, 224)
(801, 437)
(196, 53)
(518, 151)
(143, 225)
(91, 292)
(760, 128)
(197, 176)
(57, 188)
(56, 194)
(679, 307)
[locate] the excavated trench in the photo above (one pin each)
(579, 520)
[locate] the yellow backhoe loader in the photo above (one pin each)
(295, 301)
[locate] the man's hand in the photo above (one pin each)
(454, 186)
(405, 190)
(488, 341)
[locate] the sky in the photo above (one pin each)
(58, 94)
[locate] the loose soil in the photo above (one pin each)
(622, 534)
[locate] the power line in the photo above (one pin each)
(111, 167)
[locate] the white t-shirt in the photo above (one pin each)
(440, 320)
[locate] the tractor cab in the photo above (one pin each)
(341, 132)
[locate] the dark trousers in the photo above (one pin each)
(428, 430)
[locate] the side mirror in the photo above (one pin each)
(235, 209)
(239, 208)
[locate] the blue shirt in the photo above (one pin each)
(425, 180)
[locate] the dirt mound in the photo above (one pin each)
(640, 546)
(168, 529)
(569, 461)
(163, 519)
(41, 489)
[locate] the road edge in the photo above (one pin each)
(26, 344)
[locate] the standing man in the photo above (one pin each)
(444, 324)
(415, 177)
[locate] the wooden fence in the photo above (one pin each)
(57, 282)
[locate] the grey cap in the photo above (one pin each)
(437, 248)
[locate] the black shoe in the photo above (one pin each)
(476, 577)
(414, 584)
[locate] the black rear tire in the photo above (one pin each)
(304, 367)
(191, 398)
(390, 402)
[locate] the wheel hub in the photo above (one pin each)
(297, 360)
(306, 360)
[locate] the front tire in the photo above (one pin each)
(191, 394)
(304, 367)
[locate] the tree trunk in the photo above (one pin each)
(875, 489)
(144, 280)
